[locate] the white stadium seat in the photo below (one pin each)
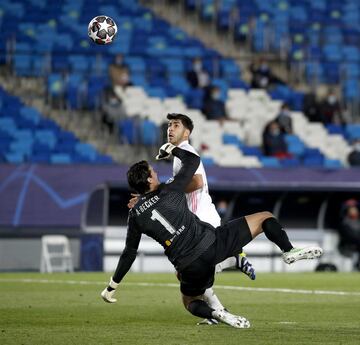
(55, 254)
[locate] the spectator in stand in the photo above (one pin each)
(214, 106)
(119, 75)
(284, 119)
(198, 77)
(311, 108)
(112, 110)
(330, 109)
(262, 76)
(350, 229)
(222, 207)
(274, 143)
(354, 155)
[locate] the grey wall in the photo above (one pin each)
(22, 254)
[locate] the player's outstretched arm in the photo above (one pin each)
(125, 261)
(195, 183)
(190, 163)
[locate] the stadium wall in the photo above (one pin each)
(82, 201)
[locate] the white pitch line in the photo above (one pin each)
(224, 287)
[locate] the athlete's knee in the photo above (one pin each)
(266, 215)
(262, 218)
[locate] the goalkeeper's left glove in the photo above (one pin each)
(165, 151)
(108, 296)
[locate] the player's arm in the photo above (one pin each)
(195, 183)
(126, 260)
(190, 163)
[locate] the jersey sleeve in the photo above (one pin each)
(189, 164)
(128, 256)
(176, 166)
(177, 162)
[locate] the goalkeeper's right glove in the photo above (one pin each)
(108, 296)
(165, 151)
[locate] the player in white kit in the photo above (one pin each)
(199, 200)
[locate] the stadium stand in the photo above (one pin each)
(26, 136)
(50, 43)
(321, 36)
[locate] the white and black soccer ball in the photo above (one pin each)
(102, 29)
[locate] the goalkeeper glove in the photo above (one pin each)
(108, 296)
(165, 151)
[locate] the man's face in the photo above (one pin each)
(176, 132)
(153, 179)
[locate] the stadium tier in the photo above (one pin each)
(50, 42)
(27, 136)
(322, 36)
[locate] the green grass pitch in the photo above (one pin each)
(282, 308)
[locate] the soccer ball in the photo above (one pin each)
(102, 29)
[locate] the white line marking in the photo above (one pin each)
(286, 322)
(224, 287)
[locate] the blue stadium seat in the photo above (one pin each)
(23, 64)
(149, 133)
(231, 139)
(14, 158)
(86, 150)
(316, 161)
(332, 164)
(352, 131)
(60, 158)
(290, 162)
(207, 161)
(251, 151)
(270, 162)
(129, 131)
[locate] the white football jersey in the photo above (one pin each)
(199, 201)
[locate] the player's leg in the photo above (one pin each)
(198, 307)
(198, 279)
(265, 222)
(240, 262)
(212, 300)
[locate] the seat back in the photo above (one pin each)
(55, 254)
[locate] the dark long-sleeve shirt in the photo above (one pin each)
(163, 215)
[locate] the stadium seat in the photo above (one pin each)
(149, 133)
(55, 254)
(60, 158)
(270, 162)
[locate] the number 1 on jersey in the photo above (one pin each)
(156, 215)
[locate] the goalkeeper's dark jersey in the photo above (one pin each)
(164, 216)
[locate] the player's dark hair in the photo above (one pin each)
(185, 120)
(137, 177)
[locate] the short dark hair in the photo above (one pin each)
(137, 177)
(185, 120)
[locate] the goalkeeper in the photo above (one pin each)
(199, 202)
(192, 246)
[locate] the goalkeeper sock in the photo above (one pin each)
(112, 285)
(200, 308)
(275, 233)
(212, 300)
